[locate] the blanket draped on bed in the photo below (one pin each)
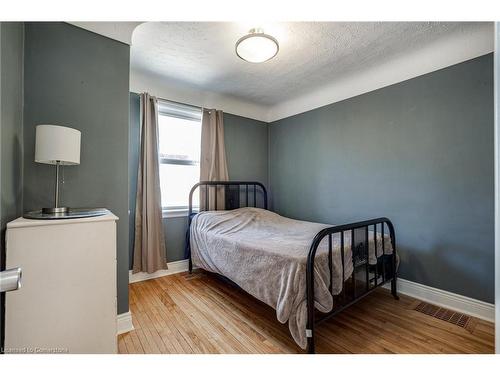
(266, 255)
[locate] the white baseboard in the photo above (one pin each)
(457, 302)
(173, 267)
(124, 323)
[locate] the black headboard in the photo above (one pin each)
(236, 194)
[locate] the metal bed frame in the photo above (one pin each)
(237, 194)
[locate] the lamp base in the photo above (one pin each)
(73, 213)
(55, 210)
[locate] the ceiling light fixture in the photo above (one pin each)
(257, 47)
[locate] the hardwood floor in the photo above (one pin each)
(200, 313)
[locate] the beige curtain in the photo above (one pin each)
(213, 157)
(149, 246)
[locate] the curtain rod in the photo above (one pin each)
(172, 101)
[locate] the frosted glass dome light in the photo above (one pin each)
(257, 47)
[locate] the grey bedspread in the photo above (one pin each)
(266, 255)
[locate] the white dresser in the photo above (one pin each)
(67, 302)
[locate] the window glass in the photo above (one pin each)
(179, 142)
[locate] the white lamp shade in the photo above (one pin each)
(57, 143)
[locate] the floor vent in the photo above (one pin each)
(447, 315)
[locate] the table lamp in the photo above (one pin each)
(57, 145)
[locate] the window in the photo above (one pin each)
(179, 152)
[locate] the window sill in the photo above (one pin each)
(167, 214)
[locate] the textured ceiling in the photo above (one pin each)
(201, 55)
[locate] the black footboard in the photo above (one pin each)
(365, 277)
(355, 287)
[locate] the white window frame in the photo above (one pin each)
(185, 112)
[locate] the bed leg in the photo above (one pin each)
(190, 266)
(394, 290)
(310, 344)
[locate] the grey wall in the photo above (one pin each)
(246, 144)
(11, 117)
(175, 232)
(11, 133)
(79, 79)
(419, 152)
(247, 159)
(497, 191)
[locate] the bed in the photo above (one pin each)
(306, 271)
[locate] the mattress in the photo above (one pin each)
(266, 255)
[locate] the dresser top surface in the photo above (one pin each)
(23, 223)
